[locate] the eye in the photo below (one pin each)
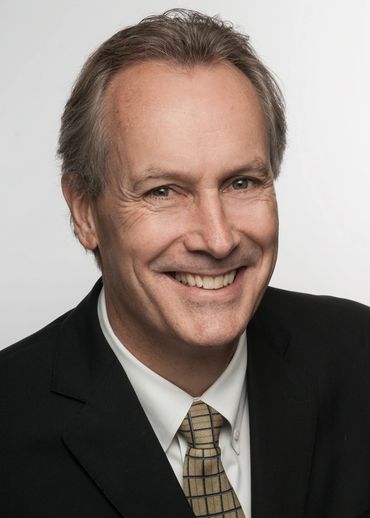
(241, 184)
(160, 192)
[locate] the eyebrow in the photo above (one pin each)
(256, 166)
(155, 173)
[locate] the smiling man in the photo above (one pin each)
(187, 226)
(139, 401)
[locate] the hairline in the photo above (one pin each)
(104, 105)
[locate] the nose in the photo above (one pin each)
(211, 231)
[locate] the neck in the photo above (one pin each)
(192, 369)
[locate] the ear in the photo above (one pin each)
(80, 206)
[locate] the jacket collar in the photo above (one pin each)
(82, 355)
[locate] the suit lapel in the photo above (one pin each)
(111, 436)
(115, 443)
(282, 423)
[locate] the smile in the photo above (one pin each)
(207, 282)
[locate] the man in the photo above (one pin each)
(170, 144)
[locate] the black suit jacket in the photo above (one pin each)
(75, 442)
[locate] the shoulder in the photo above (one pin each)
(43, 343)
(327, 336)
(29, 366)
(294, 299)
(31, 354)
(302, 311)
(30, 344)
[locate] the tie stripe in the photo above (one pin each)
(206, 485)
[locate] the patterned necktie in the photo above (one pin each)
(206, 485)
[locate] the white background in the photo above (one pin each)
(320, 51)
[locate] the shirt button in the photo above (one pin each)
(236, 435)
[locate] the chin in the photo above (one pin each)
(212, 336)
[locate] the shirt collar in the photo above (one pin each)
(165, 404)
(227, 394)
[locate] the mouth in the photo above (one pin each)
(206, 282)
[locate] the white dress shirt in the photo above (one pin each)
(166, 405)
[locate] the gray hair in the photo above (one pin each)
(179, 36)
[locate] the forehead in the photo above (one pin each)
(156, 85)
(207, 113)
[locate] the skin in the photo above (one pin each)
(190, 189)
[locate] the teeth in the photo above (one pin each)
(206, 282)
(232, 277)
(198, 280)
(190, 279)
(219, 282)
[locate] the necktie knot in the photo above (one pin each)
(201, 426)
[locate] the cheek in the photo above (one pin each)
(267, 228)
(155, 232)
(258, 221)
(134, 250)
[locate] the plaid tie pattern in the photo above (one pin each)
(206, 485)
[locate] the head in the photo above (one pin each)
(170, 144)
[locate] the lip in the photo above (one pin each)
(193, 292)
(202, 273)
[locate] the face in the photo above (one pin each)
(187, 226)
